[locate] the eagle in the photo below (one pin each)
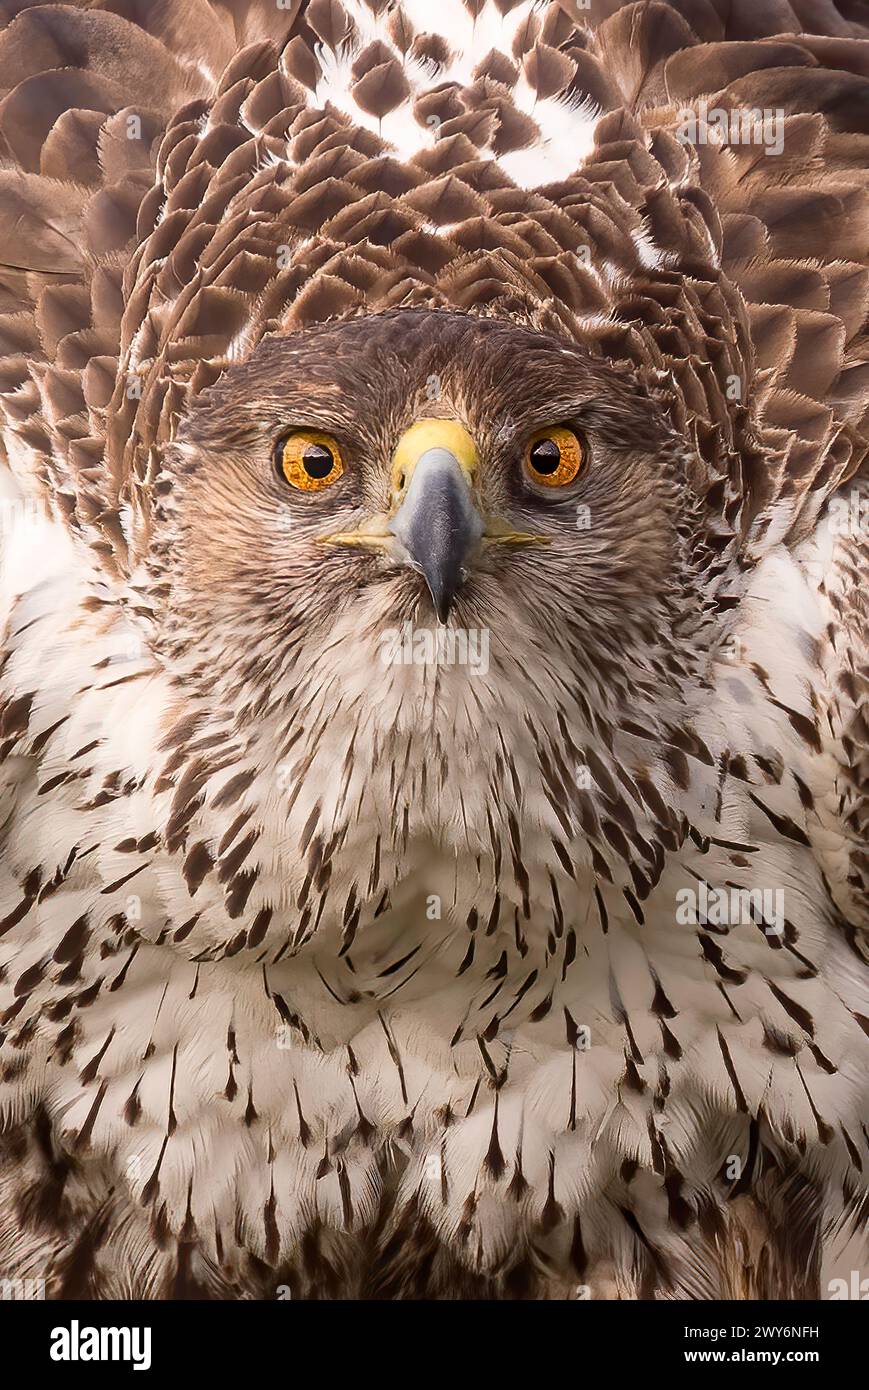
(433, 647)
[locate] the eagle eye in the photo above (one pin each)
(554, 456)
(308, 460)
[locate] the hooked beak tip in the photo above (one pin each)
(443, 604)
(438, 525)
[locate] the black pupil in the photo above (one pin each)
(317, 461)
(545, 456)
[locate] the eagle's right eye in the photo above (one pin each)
(308, 460)
(554, 457)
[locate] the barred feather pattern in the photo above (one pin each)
(238, 1052)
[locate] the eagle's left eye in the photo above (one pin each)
(308, 460)
(554, 456)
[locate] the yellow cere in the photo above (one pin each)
(431, 434)
(310, 460)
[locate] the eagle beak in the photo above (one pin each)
(433, 523)
(434, 517)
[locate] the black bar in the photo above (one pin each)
(406, 1339)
